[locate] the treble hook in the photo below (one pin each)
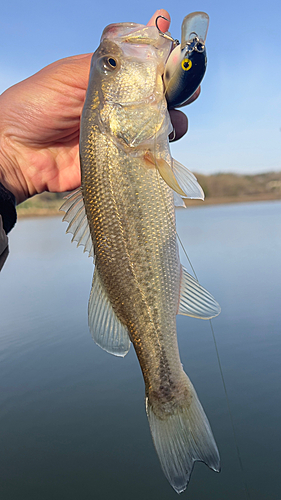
(165, 35)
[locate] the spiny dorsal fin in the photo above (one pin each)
(75, 214)
(178, 200)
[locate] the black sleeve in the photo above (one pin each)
(7, 209)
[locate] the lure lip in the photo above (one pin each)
(194, 25)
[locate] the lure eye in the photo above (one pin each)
(186, 64)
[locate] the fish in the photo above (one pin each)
(124, 216)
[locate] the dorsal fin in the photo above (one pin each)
(75, 214)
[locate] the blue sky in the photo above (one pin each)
(235, 125)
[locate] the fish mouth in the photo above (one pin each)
(116, 29)
(133, 33)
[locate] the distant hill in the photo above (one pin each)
(218, 188)
(234, 188)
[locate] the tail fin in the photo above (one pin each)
(181, 439)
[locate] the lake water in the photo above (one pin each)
(72, 418)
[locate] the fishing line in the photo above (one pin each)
(185, 253)
(247, 492)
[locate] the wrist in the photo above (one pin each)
(10, 173)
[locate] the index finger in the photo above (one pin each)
(162, 23)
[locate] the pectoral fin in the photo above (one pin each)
(169, 177)
(195, 301)
(165, 171)
(187, 181)
(106, 329)
(178, 177)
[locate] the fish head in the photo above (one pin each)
(126, 85)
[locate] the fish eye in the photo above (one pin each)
(112, 62)
(109, 63)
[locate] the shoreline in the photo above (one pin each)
(227, 200)
(50, 212)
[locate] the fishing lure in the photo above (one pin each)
(186, 65)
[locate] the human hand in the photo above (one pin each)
(39, 129)
(40, 123)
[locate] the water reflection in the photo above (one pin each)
(72, 417)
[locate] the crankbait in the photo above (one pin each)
(186, 65)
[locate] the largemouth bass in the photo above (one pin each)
(124, 216)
